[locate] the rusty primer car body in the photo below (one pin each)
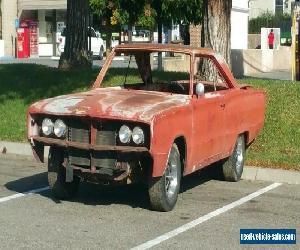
(197, 129)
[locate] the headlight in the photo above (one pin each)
(47, 127)
(138, 135)
(125, 134)
(60, 128)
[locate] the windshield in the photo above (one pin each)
(142, 71)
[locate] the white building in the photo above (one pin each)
(239, 24)
(257, 7)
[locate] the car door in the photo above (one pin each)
(209, 121)
(208, 127)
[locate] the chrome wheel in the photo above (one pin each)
(171, 177)
(163, 191)
(239, 156)
(233, 166)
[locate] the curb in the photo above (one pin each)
(273, 175)
(18, 148)
(250, 173)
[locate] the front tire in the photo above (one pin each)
(163, 191)
(233, 167)
(57, 176)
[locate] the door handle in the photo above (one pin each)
(223, 105)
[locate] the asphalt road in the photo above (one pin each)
(119, 217)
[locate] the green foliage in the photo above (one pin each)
(120, 12)
(183, 11)
(269, 20)
(146, 13)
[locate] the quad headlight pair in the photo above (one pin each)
(59, 128)
(126, 134)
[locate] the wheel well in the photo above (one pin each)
(181, 144)
(246, 137)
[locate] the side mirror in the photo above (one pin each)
(200, 89)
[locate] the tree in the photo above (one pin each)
(181, 11)
(148, 13)
(105, 10)
(216, 26)
(123, 12)
(76, 47)
(270, 20)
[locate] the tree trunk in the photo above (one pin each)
(129, 33)
(216, 26)
(159, 40)
(76, 47)
(108, 41)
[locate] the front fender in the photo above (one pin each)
(164, 130)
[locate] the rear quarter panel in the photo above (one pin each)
(244, 114)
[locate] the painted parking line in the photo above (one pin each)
(20, 195)
(196, 222)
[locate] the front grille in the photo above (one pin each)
(79, 132)
(106, 133)
(105, 161)
(107, 138)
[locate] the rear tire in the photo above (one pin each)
(163, 191)
(234, 165)
(57, 176)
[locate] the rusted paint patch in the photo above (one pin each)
(62, 105)
(142, 105)
(211, 95)
(114, 102)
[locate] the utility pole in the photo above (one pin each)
(295, 41)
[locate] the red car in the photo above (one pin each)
(176, 109)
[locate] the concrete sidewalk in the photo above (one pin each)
(250, 173)
(275, 75)
(17, 148)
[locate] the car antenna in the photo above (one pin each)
(127, 71)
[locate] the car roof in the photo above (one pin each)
(153, 47)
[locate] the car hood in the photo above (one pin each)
(113, 103)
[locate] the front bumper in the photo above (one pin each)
(118, 163)
(84, 146)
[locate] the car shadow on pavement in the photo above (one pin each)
(200, 177)
(28, 183)
(135, 196)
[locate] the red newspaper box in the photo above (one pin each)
(23, 49)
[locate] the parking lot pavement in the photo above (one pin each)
(119, 217)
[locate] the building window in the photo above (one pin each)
(278, 7)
